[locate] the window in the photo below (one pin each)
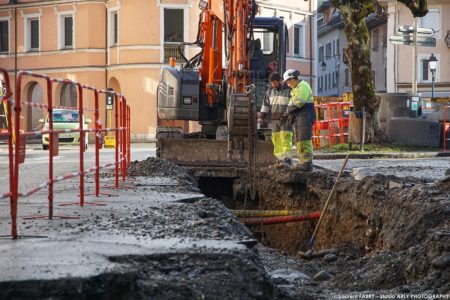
(113, 28)
(67, 31)
(68, 96)
(32, 36)
(347, 77)
(4, 36)
(385, 77)
(425, 70)
(375, 40)
(335, 79)
(374, 74)
(330, 81)
(320, 83)
(173, 32)
(267, 39)
(299, 40)
(334, 48)
(328, 51)
(320, 53)
(337, 48)
(425, 74)
(431, 20)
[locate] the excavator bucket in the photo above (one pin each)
(209, 153)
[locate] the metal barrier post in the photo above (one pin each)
(81, 140)
(51, 150)
(97, 132)
(98, 136)
(15, 179)
(123, 138)
(8, 112)
(129, 133)
(98, 142)
(446, 126)
(116, 123)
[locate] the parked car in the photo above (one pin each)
(65, 119)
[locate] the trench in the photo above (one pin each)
(290, 194)
(363, 216)
(374, 225)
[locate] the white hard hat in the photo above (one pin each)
(291, 73)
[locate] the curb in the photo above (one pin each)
(326, 156)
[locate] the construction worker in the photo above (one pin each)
(301, 111)
(275, 103)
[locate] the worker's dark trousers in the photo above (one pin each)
(304, 121)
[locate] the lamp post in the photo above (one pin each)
(432, 63)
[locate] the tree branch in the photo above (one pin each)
(418, 8)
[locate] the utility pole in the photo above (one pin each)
(414, 63)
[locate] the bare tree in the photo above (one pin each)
(354, 13)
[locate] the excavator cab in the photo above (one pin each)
(179, 92)
(268, 53)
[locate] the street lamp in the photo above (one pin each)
(323, 65)
(432, 63)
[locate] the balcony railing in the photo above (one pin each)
(171, 50)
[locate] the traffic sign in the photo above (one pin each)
(408, 40)
(420, 30)
(109, 101)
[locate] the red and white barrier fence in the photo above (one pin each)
(6, 103)
(17, 146)
(446, 127)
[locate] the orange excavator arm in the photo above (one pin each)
(234, 16)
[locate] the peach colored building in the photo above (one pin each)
(118, 44)
(399, 57)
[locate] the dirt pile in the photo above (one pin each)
(391, 234)
(153, 166)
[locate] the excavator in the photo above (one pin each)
(222, 87)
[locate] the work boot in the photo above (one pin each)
(305, 167)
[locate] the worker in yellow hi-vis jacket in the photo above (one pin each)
(275, 103)
(301, 111)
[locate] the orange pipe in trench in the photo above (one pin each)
(278, 220)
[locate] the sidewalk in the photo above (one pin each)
(369, 155)
(160, 238)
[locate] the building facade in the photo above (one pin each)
(334, 75)
(301, 20)
(121, 45)
(400, 57)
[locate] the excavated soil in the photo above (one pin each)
(383, 235)
(153, 166)
(387, 234)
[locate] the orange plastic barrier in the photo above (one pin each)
(446, 127)
(335, 124)
(121, 129)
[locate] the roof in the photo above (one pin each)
(337, 22)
